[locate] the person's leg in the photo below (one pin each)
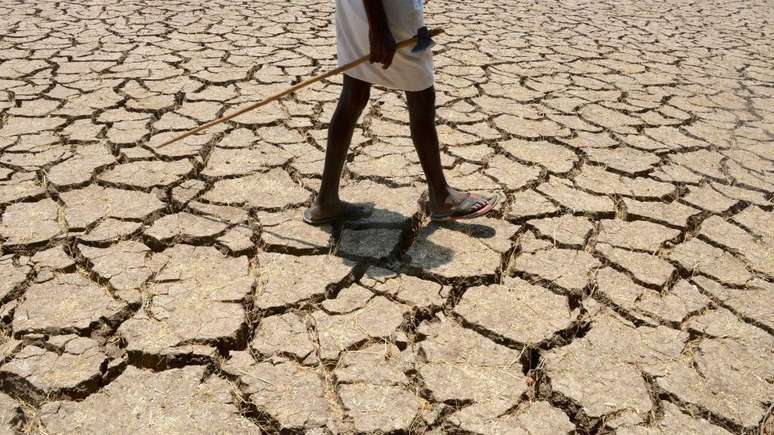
(443, 198)
(354, 97)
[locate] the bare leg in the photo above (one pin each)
(354, 97)
(443, 197)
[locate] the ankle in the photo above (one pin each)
(324, 201)
(439, 194)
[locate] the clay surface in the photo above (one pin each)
(623, 284)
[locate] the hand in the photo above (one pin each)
(383, 47)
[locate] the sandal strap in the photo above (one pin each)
(464, 208)
(467, 206)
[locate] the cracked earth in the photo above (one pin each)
(624, 285)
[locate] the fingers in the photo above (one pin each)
(389, 56)
(383, 55)
(382, 49)
(389, 51)
(377, 53)
(379, 56)
(375, 49)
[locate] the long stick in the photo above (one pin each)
(294, 88)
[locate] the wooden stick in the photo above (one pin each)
(294, 88)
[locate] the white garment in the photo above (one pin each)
(409, 71)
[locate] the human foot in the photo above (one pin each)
(456, 205)
(340, 211)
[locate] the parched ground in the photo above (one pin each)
(624, 285)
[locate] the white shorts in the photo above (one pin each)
(409, 71)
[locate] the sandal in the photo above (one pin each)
(467, 209)
(350, 212)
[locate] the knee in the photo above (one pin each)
(421, 105)
(354, 100)
(423, 98)
(354, 96)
